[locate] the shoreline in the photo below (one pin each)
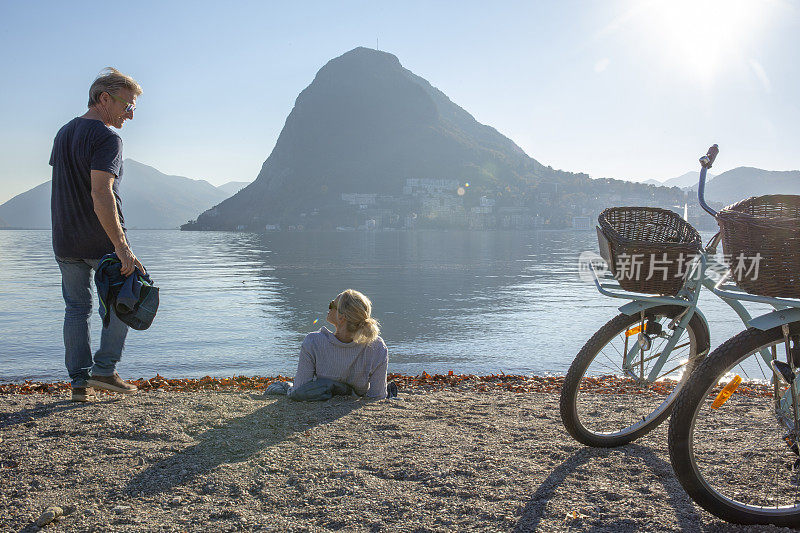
(406, 383)
(424, 381)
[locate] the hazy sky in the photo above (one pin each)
(614, 88)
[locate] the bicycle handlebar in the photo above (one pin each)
(705, 162)
(708, 159)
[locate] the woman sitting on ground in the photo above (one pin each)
(354, 354)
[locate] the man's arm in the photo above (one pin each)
(106, 210)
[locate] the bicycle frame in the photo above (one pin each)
(787, 310)
(688, 297)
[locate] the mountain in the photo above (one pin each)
(3, 223)
(366, 125)
(743, 182)
(30, 209)
(150, 200)
(232, 187)
(369, 143)
(684, 181)
(690, 179)
(739, 183)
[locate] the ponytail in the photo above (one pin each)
(357, 308)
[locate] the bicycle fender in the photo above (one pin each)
(631, 309)
(635, 306)
(775, 318)
(698, 312)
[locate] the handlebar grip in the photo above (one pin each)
(708, 159)
(712, 154)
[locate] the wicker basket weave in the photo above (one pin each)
(650, 248)
(761, 242)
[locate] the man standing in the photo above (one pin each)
(88, 223)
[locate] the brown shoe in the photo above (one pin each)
(113, 383)
(83, 394)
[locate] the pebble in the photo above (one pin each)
(176, 500)
(49, 514)
(120, 508)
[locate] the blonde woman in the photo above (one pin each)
(352, 355)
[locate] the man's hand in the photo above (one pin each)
(139, 266)
(128, 260)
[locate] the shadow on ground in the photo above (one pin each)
(32, 414)
(238, 440)
(687, 516)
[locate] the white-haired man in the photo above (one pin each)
(88, 224)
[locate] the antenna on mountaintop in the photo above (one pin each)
(376, 44)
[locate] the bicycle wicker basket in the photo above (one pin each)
(649, 248)
(761, 243)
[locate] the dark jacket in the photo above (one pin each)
(134, 298)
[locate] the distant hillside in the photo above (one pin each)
(150, 200)
(232, 187)
(366, 126)
(743, 182)
(2, 223)
(30, 209)
(688, 180)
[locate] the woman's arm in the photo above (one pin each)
(377, 380)
(305, 366)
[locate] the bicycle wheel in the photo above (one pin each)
(603, 404)
(736, 460)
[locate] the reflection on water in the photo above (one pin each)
(235, 303)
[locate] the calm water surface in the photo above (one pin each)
(236, 303)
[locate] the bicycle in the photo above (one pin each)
(624, 381)
(733, 440)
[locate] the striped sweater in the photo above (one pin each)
(362, 366)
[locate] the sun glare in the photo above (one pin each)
(702, 37)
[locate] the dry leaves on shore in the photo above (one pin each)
(514, 383)
(424, 381)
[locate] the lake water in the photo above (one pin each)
(238, 303)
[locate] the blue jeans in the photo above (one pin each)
(76, 275)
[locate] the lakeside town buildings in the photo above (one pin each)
(451, 204)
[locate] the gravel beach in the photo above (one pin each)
(448, 459)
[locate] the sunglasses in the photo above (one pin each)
(129, 107)
(332, 305)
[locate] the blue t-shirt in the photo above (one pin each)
(81, 146)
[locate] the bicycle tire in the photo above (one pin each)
(598, 427)
(729, 480)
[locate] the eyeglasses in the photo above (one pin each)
(333, 305)
(129, 108)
